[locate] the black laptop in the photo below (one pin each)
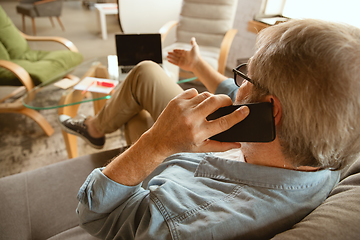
(134, 48)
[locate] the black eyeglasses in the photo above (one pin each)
(240, 74)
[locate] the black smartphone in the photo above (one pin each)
(258, 126)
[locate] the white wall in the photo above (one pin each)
(243, 45)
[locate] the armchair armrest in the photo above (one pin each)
(225, 48)
(67, 43)
(20, 72)
(43, 1)
(165, 29)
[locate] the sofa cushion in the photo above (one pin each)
(76, 233)
(337, 217)
(43, 66)
(41, 204)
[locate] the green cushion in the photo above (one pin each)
(11, 38)
(4, 55)
(43, 66)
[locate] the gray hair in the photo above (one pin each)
(313, 68)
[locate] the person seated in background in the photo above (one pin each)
(176, 183)
(147, 87)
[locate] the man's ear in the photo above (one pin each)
(277, 109)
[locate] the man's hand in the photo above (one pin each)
(182, 126)
(185, 59)
(192, 61)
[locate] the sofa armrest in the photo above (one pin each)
(40, 204)
(337, 217)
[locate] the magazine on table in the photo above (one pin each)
(100, 85)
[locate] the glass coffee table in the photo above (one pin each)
(67, 101)
(46, 95)
(49, 96)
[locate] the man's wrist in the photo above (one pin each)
(155, 146)
(198, 65)
(136, 163)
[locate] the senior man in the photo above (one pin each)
(170, 185)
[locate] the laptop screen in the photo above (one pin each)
(134, 48)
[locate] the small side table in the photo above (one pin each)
(104, 9)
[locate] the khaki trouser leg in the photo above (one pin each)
(147, 87)
(137, 125)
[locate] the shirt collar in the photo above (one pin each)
(260, 176)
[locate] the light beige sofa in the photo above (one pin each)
(40, 204)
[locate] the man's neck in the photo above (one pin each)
(269, 154)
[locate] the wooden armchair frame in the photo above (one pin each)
(17, 106)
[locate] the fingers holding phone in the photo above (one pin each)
(258, 126)
(183, 127)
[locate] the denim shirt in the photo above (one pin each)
(228, 87)
(201, 196)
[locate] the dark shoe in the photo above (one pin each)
(78, 128)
